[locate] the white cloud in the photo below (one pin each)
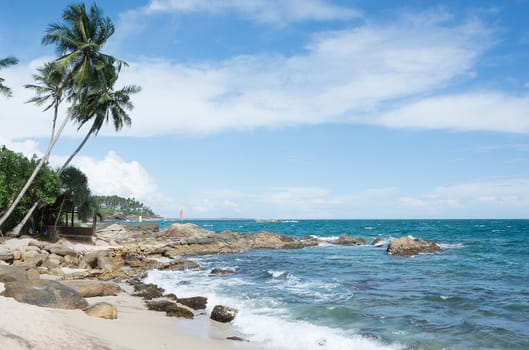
(115, 176)
(344, 76)
(382, 74)
(489, 111)
(26, 147)
(492, 198)
(267, 11)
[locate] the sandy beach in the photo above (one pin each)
(24, 326)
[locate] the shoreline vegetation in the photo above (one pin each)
(105, 280)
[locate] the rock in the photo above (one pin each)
(109, 263)
(170, 296)
(11, 274)
(406, 246)
(236, 338)
(180, 312)
(6, 254)
(179, 265)
(60, 249)
(377, 242)
(17, 255)
(195, 303)
(33, 274)
(170, 308)
(31, 260)
(219, 272)
(93, 288)
(89, 260)
(102, 310)
(223, 314)
(147, 291)
(45, 293)
(348, 240)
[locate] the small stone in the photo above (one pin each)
(33, 274)
(102, 310)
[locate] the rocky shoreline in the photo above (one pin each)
(64, 274)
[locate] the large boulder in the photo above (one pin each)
(102, 310)
(348, 240)
(11, 274)
(45, 293)
(406, 246)
(109, 263)
(223, 314)
(93, 288)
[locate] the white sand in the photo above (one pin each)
(25, 326)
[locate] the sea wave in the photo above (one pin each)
(265, 322)
(451, 245)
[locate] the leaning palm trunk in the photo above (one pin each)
(43, 160)
(18, 228)
(81, 145)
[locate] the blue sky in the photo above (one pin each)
(300, 109)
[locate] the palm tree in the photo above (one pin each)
(49, 91)
(6, 62)
(99, 107)
(79, 39)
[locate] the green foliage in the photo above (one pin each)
(76, 192)
(110, 205)
(15, 169)
(6, 62)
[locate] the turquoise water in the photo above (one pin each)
(472, 295)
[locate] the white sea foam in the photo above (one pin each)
(264, 321)
(451, 245)
(276, 274)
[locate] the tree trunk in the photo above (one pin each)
(16, 231)
(81, 145)
(43, 160)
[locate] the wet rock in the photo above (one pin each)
(45, 293)
(223, 313)
(11, 274)
(93, 288)
(148, 291)
(219, 272)
(348, 240)
(170, 308)
(377, 242)
(170, 296)
(236, 338)
(102, 310)
(406, 246)
(195, 303)
(180, 265)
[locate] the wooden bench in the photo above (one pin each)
(71, 233)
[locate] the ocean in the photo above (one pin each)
(474, 294)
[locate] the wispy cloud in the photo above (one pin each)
(267, 11)
(391, 74)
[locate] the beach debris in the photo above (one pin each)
(406, 246)
(223, 313)
(195, 303)
(45, 293)
(102, 310)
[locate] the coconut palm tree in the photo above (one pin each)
(100, 107)
(6, 62)
(49, 89)
(79, 38)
